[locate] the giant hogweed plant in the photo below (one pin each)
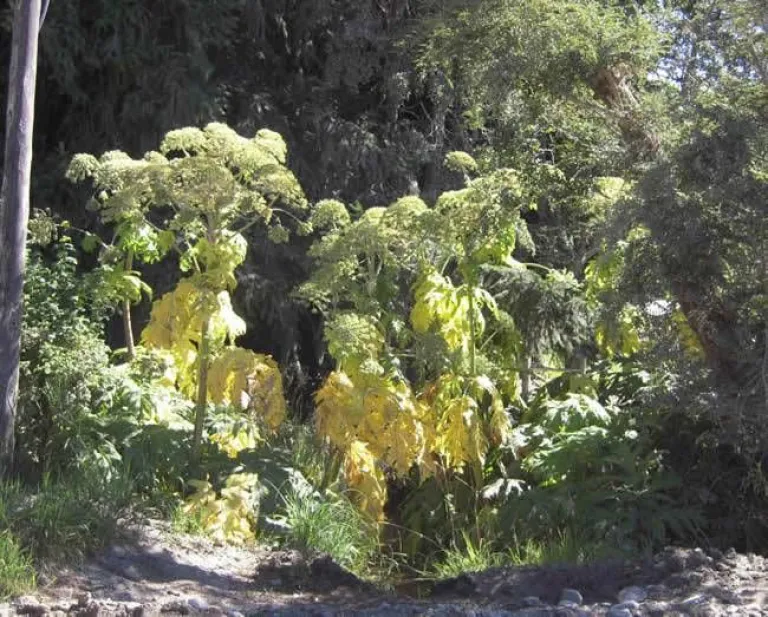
(407, 313)
(197, 195)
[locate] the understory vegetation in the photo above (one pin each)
(517, 314)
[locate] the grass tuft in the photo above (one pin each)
(17, 572)
(332, 526)
(562, 547)
(64, 521)
(472, 556)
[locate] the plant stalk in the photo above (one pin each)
(472, 332)
(127, 325)
(202, 393)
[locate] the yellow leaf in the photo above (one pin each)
(366, 480)
(238, 375)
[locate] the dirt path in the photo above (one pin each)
(159, 573)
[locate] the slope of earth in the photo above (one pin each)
(154, 572)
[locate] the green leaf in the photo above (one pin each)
(90, 242)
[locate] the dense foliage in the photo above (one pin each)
(492, 285)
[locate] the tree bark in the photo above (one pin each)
(14, 212)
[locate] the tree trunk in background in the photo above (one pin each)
(715, 326)
(14, 211)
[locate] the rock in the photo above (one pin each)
(462, 585)
(656, 609)
(118, 551)
(694, 600)
(499, 588)
(234, 613)
(30, 605)
(149, 610)
(88, 609)
(618, 612)
(656, 591)
(630, 605)
(571, 596)
(532, 601)
(539, 611)
(133, 609)
(132, 573)
(84, 598)
(175, 606)
(198, 604)
(632, 594)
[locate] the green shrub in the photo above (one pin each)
(588, 464)
(66, 382)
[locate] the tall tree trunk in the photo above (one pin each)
(14, 211)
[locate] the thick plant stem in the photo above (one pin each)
(127, 325)
(525, 379)
(14, 212)
(202, 394)
(472, 333)
(128, 330)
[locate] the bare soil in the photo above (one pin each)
(153, 571)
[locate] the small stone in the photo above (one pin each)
(129, 607)
(30, 605)
(535, 611)
(694, 600)
(633, 594)
(618, 612)
(84, 598)
(233, 613)
(715, 553)
(198, 604)
(118, 551)
(532, 601)
(64, 607)
(571, 596)
(498, 587)
(132, 573)
(630, 605)
(657, 609)
(91, 609)
(175, 606)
